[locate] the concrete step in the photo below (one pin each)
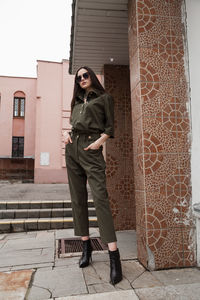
(24, 224)
(40, 213)
(26, 215)
(37, 204)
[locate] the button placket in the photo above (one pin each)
(82, 107)
(77, 140)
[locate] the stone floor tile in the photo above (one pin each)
(20, 235)
(31, 191)
(59, 282)
(47, 234)
(94, 232)
(33, 266)
(38, 293)
(170, 292)
(21, 244)
(66, 261)
(100, 256)
(2, 236)
(32, 233)
(91, 275)
(64, 233)
(2, 243)
(123, 285)
(132, 270)
(146, 280)
(26, 257)
(119, 295)
(127, 244)
(100, 288)
(50, 299)
(31, 243)
(98, 273)
(178, 276)
(14, 285)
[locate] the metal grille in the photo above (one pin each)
(17, 146)
(75, 245)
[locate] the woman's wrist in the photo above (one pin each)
(102, 139)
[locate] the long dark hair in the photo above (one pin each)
(78, 90)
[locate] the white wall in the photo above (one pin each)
(193, 25)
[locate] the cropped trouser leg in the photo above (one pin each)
(83, 165)
(77, 184)
(97, 182)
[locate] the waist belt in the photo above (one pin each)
(79, 132)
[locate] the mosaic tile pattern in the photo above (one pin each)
(161, 133)
(119, 151)
(112, 165)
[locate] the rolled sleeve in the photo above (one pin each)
(109, 116)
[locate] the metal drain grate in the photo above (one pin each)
(75, 245)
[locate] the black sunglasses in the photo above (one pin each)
(84, 75)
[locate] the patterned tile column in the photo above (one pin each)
(161, 133)
(119, 151)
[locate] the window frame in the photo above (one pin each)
(18, 150)
(19, 107)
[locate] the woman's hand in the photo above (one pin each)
(94, 146)
(98, 143)
(67, 137)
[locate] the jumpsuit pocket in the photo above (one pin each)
(69, 144)
(67, 147)
(95, 150)
(91, 139)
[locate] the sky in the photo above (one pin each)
(32, 30)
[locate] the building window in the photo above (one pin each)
(17, 146)
(19, 107)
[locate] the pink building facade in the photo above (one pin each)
(33, 114)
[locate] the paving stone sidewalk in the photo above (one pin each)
(31, 270)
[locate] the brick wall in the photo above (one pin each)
(16, 168)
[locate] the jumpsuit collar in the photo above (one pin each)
(93, 93)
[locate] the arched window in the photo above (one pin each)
(19, 105)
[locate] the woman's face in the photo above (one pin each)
(84, 79)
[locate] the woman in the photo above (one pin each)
(92, 118)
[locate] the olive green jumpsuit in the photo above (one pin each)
(88, 121)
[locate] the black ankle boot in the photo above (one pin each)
(86, 255)
(115, 267)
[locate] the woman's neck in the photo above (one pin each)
(88, 90)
